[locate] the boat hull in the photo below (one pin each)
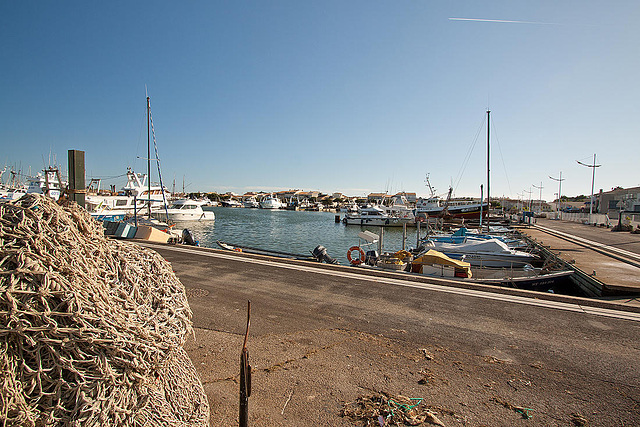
(541, 283)
(461, 212)
(187, 216)
(378, 222)
(487, 259)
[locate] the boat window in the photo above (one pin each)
(121, 202)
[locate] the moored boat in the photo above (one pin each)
(319, 254)
(184, 210)
(375, 216)
(484, 253)
(271, 202)
(133, 197)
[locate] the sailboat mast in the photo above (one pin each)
(488, 170)
(148, 160)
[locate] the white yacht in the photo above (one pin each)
(271, 202)
(184, 210)
(250, 202)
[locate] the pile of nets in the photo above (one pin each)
(91, 330)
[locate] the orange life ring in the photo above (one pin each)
(355, 261)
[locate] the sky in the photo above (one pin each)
(336, 96)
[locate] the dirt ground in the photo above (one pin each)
(307, 378)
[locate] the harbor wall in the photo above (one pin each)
(583, 218)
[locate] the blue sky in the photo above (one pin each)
(349, 96)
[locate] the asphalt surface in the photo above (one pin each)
(323, 337)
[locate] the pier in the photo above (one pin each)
(323, 335)
(607, 263)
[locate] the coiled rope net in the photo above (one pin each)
(91, 329)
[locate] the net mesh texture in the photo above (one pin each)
(91, 329)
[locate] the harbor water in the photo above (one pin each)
(289, 231)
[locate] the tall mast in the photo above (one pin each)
(148, 160)
(488, 170)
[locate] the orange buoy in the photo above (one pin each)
(352, 260)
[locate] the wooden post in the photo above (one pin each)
(245, 375)
(76, 177)
(404, 235)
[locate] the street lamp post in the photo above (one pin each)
(530, 202)
(558, 206)
(539, 188)
(593, 179)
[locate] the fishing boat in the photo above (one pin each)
(184, 210)
(435, 206)
(376, 216)
(48, 182)
(13, 189)
(134, 196)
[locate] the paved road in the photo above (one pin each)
(593, 352)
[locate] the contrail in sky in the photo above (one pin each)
(502, 21)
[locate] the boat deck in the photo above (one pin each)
(612, 258)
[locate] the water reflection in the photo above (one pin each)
(288, 231)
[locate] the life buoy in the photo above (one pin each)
(355, 261)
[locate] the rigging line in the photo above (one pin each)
(465, 162)
(504, 166)
(155, 148)
(109, 177)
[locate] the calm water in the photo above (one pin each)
(288, 231)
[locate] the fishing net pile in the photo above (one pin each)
(91, 330)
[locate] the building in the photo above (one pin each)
(377, 198)
(409, 197)
(619, 200)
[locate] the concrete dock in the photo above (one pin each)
(611, 258)
(323, 335)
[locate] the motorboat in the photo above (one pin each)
(271, 202)
(184, 210)
(351, 209)
(375, 216)
(250, 202)
(231, 203)
(319, 253)
(484, 253)
(463, 235)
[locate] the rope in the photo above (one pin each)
(467, 157)
(155, 147)
(91, 330)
